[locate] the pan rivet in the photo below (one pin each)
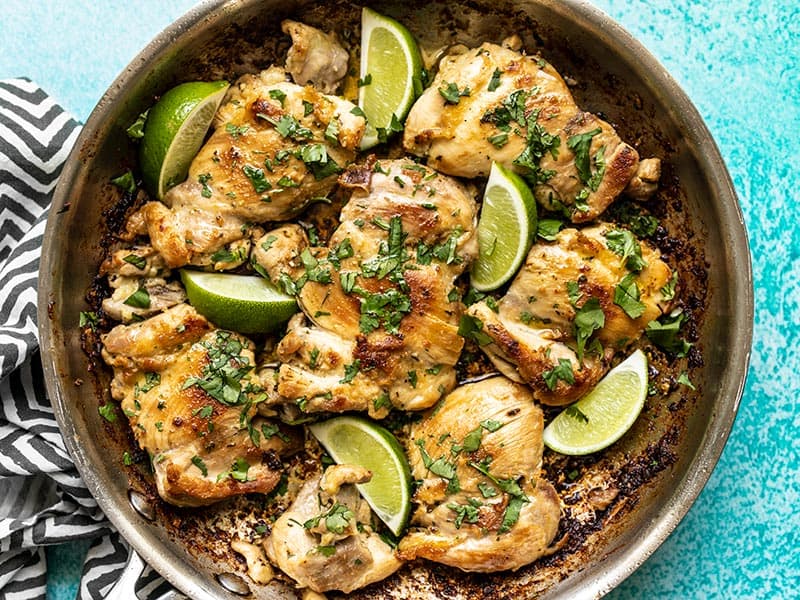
(234, 583)
(141, 505)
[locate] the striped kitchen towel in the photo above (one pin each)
(42, 497)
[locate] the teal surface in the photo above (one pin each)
(739, 61)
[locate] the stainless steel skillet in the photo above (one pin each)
(683, 433)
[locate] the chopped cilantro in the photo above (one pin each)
(683, 379)
(125, 182)
(366, 80)
(576, 413)
(107, 412)
(257, 179)
(470, 327)
(668, 291)
(664, 333)
(579, 144)
(494, 82)
(623, 243)
(222, 376)
(203, 180)
(548, 229)
(136, 129)
(137, 261)
(626, 296)
(562, 372)
(235, 131)
(588, 318)
(278, 95)
(198, 462)
(138, 299)
(350, 371)
(451, 93)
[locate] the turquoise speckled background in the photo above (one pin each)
(739, 61)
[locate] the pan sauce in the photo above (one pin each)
(596, 491)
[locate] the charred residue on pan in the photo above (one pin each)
(626, 468)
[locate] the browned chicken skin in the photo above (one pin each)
(483, 505)
(534, 326)
(494, 104)
(383, 328)
(275, 148)
(203, 434)
(325, 540)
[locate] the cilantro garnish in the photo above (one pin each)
(137, 261)
(222, 376)
(138, 299)
(125, 182)
(579, 144)
(257, 179)
(664, 333)
(470, 327)
(562, 372)
(626, 296)
(494, 82)
(623, 243)
(451, 93)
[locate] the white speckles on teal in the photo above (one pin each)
(739, 61)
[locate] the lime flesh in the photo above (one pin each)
(603, 415)
(357, 441)
(391, 62)
(242, 303)
(505, 231)
(174, 132)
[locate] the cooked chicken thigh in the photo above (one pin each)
(190, 397)
(495, 104)
(597, 283)
(276, 147)
(326, 541)
(380, 326)
(315, 57)
(137, 277)
(483, 505)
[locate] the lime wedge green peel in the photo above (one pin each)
(242, 303)
(358, 441)
(506, 229)
(174, 132)
(391, 71)
(603, 415)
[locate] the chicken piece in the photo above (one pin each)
(275, 148)
(137, 277)
(566, 293)
(482, 504)
(380, 327)
(326, 540)
(315, 57)
(190, 397)
(495, 104)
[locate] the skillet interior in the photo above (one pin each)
(673, 447)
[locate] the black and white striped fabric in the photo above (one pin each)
(43, 500)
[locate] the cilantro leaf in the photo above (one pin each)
(623, 243)
(588, 318)
(664, 334)
(579, 144)
(626, 296)
(562, 372)
(470, 327)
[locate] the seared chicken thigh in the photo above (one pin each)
(138, 278)
(483, 505)
(190, 397)
(495, 104)
(380, 325)
(315, 57)
(275, 148)
(325, 540)
(572, 305)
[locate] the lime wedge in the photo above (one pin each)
(603, 415)
(242, 303)
(391, 71)
(174, 131)
(357, 441)
(506, 229)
